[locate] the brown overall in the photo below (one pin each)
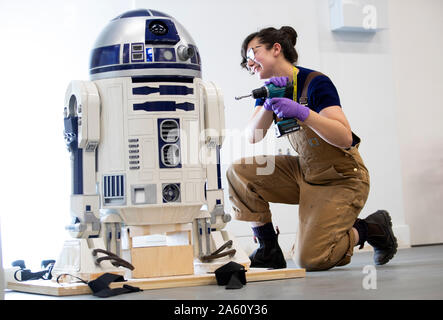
(329, 184)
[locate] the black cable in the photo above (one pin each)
(67, 274)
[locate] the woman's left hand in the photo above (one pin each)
(287, 108)
(278, 81)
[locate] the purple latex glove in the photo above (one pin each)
(278, 81)
(286, 108)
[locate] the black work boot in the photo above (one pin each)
(268, 254)
(381, 237)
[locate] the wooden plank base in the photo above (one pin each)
(48, 287)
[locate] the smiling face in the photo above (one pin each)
(260, 60)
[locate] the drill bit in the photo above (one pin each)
(241, 97)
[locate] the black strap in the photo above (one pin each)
(103, 281)
(26, 274)
(100, 286)
(105, 293)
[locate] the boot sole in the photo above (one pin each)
(388, 220)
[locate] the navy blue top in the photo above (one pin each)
(321, 91)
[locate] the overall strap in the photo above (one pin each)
(304, 94)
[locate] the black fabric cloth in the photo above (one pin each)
(100, 286)
(232, 275)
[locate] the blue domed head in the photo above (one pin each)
(141, 43)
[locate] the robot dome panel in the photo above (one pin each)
(144, 43)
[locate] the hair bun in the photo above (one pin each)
(291, 33)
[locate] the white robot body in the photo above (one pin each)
(142, 167)
(144, 136)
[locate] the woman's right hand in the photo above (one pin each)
(278, 81)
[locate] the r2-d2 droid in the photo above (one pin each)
(144, 137)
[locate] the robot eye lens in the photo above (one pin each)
(158, 28)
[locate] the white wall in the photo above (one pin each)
(48, 45)
(417, 50)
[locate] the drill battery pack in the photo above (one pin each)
(286, 126)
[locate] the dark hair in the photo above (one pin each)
(286, 36)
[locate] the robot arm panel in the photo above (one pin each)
(82, 101)
(82, 134)
(212, 108)
(213, 112)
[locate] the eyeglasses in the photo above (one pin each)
(250, 55)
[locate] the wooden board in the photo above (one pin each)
(169, 261)
(52, 288)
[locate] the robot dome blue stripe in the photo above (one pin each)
(145, 66)
(126, 53)
(105, 56)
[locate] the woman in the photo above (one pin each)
(328, 179)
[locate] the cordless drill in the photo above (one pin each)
(286, 125)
